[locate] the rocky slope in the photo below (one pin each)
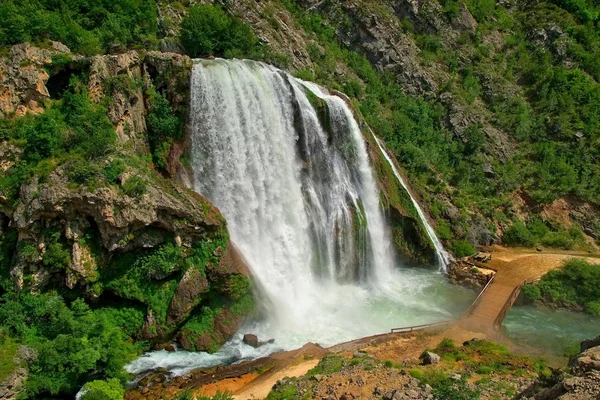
(118, 242)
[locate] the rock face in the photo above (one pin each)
(582, 384)
(93, 227)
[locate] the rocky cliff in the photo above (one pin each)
(115, 228)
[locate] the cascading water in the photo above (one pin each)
(286, 164)
(441, 254)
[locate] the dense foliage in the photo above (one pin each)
(574, 285)
(86, 26)
(73, 343)
(208, 31)
(73, 131)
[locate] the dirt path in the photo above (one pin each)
(260, 388)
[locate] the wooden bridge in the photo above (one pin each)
(495, 300)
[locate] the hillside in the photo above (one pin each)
(490, 109)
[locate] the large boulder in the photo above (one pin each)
(430, 358)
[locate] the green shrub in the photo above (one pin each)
(208, 31)
(81, 171)
(575, 283)
(113, 171)
(163, 127)
(73, 342)
(518, 235)
(87, 28)
(593, 308)
(110, 389)
(532, 292)
(135, 186)
(462, 248)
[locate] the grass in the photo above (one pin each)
(8, 350)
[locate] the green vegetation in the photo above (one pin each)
(462, 248)
(163, 127)
(538, 232)
(73, 342)
(110, 389)
(8, 351)
(86, 26)
(575, 284)
(73, 132)
(208, 31)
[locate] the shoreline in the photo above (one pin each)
(251, 379)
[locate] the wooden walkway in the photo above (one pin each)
(496, 301)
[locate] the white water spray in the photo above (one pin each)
(287, 165)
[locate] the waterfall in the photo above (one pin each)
(292, 179)
(287, 165)
(441, 254)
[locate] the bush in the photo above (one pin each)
(163, 127)
(113, 171)
(73, 343)
(462, 248)
(518, 235)
(110, 389)
(208, 31)
(135, 186)
(85, 27)
(532, 292)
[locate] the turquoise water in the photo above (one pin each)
(555, 332)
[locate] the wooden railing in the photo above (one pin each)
(424, 326)
(478, 299)
(510, 301)
(442, 323)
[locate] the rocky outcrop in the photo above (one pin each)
(466, 273)
(76, 235)
(582, 383)
(23, 78)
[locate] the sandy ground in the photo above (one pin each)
(261, 388)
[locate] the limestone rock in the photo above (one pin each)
(430, 358)
(187, 295)
(588, 360)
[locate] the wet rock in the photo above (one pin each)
(165, 346)
(251, 340)
(187, 295)
(430, 358)
(588, 344)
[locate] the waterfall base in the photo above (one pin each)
(343, 313)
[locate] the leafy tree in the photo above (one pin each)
(110, 389)
(208, 31)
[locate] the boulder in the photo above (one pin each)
(251, 340)
(586, 361)
(430, 358)
(187, 295)
(482, 257)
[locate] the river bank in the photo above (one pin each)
(255, 378)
